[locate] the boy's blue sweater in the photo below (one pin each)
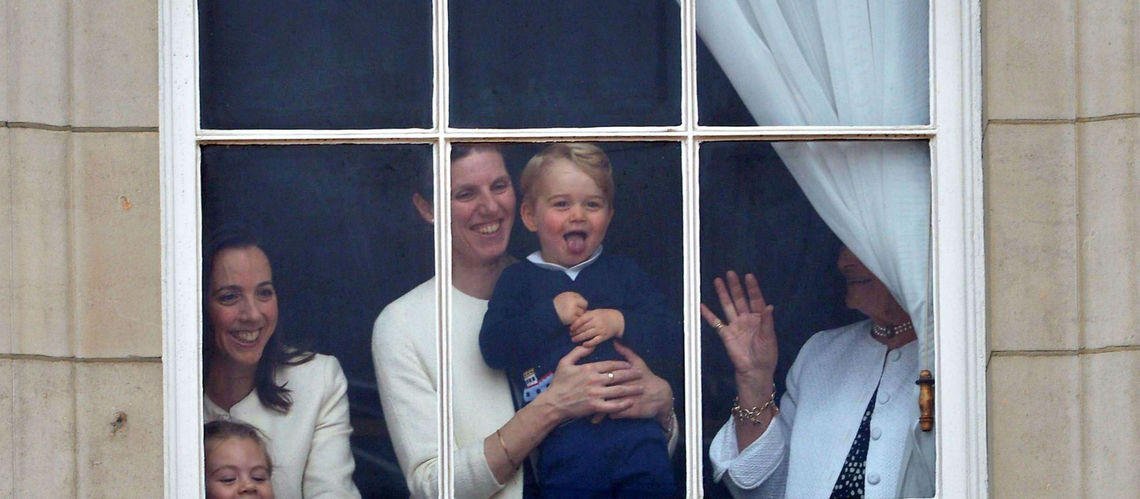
(521, 329)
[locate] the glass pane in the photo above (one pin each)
(320, 65)
(793, 63)
(638, 273)
(343, 240)
(756, 218)
(563, 64)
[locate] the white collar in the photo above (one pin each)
(572, 272)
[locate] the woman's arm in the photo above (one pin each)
(577, 390)
(403, 355)
(328, 469)
(749, 337)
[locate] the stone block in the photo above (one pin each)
(39, 64)
(1029, 64)
(43, 430)
(7, 420)
(1034, 426)
(1032, 275)
(5, 70)
(119, 429)
(1109, 197)
(1111, 423)
(117, 271)
(115, 61)
(1107, 34)
(41, 242)
(7, 337)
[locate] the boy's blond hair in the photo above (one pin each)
(588, 158)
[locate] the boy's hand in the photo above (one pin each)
(596, 326)
(569, 306)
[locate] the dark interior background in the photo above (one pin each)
(337, 220)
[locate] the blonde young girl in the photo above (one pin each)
(237, 462)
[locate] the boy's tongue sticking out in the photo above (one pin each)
(576, 242)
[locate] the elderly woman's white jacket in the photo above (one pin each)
(828, 388)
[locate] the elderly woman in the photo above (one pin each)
(847, 424)
(491, 439)
(297, 399)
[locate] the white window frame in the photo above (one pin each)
(957, 264)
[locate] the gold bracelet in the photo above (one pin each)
(753, 415)
(503, 444)
(668, 426)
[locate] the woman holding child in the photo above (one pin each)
(296, 399)
(491, 439)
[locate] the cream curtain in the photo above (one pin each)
(844, 62)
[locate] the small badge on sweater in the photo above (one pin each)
(534, 384)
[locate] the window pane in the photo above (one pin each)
(795, 63)
(322, 65)
(641, 245)
(563, 64)
(756, 218)
(343, 240)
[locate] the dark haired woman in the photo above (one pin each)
(296, 398)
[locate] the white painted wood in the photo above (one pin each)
(446, 433)
(606, 134)
(181, 319)
(959, 259)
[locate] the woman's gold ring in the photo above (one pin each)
(717, 324)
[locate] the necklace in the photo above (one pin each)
(889, 332)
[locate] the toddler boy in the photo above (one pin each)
(567, 293)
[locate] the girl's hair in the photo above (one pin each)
(425, 184)
(276, 353)
(216, 431)
(588, 158)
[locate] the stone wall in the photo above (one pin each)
(80, 311)
(1063, 246)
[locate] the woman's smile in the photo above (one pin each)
(246, 338)
(488, 228)
(242, 306)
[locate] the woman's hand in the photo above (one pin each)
(656, 397)
(579, 390)
(749, 335)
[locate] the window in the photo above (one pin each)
(676, 122)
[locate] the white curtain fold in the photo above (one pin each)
(844, 62)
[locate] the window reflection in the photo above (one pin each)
(564, 64)
(315, 65)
